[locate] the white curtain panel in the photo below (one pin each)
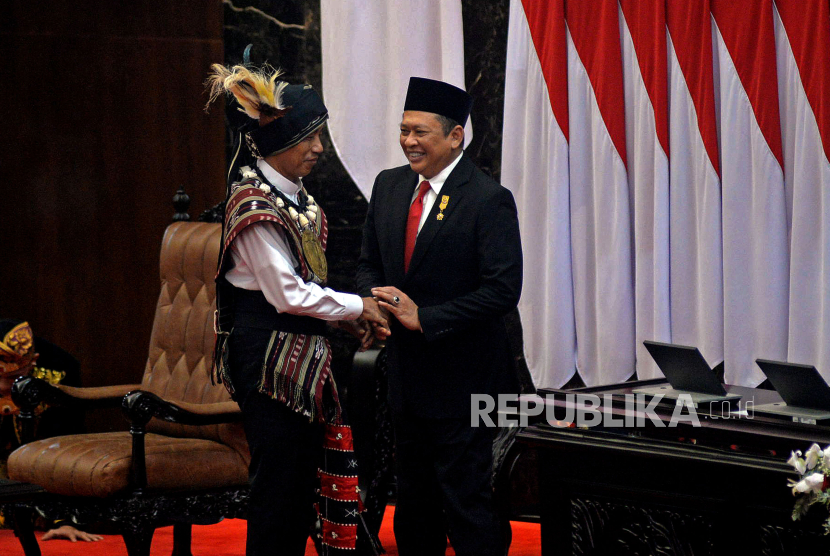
(537, 173)
(643, 35)
(696, 282)
(370, 49)
(803, 50)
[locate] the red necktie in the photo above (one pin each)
(416, 209)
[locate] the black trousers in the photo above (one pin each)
(286, 450)
(443, 473)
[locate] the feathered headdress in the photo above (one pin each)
(257, 91)
(281, 114)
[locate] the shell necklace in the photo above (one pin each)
(302, 219)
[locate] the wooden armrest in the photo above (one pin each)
(141, 406)
(29, 392)
(116, 392)
(231, 409)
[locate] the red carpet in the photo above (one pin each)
(228, 539)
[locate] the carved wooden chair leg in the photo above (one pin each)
(24, 530)
(182, 533)
(138, 540)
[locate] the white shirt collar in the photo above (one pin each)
(437, 181)
(276, 179)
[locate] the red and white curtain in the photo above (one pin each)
(670, 163)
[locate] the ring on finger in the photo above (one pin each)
(396, 300)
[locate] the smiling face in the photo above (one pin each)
(425, 145)
(297, 162)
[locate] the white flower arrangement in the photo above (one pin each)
(812, 486)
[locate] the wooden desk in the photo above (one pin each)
(715, 489)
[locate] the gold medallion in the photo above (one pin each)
(314, 255)
(444, 200)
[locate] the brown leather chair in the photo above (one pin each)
(185, 459)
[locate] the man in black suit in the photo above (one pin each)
(441, 253)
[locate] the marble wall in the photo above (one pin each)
(286, 33)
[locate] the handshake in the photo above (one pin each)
(373, 324)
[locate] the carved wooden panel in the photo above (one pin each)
(608, 527)
(784, 541)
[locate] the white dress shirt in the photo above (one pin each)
(262, 260)
(435, 185)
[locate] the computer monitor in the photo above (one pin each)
(798, 385)
(685, 368)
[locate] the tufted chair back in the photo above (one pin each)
(181, 344)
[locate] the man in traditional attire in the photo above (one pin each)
(441, 253)
(272, 311)
(24, 354)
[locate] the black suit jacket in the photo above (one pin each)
(465, 275)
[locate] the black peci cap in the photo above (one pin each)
(437, 97)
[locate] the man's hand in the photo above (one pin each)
(399, 304)
(376, 318)
(360, 329)
(69, 533)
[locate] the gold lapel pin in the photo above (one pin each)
(444, 200)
